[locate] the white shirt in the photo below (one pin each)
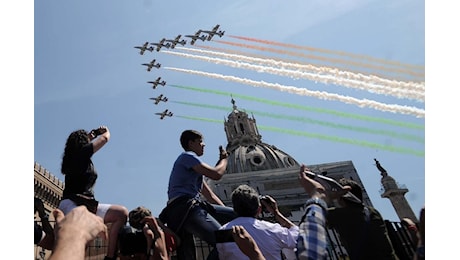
(271, 238)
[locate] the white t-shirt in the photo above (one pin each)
(271, 238)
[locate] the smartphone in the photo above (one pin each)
(224, 235)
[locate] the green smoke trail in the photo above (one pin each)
(313, 121)
(323, 137)
(306, 108)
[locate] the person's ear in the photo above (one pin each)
(189, 144)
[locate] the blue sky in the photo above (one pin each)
(83, 56)
(87, 73)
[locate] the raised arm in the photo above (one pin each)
(214, 173)
(272, 206)
(99, 137)
(312, 243)
(155, 239)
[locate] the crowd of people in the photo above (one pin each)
(194, 210)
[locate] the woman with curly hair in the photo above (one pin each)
(80, 178)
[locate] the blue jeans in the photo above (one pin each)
(201, 221)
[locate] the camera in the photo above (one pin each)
(266, 199)
(263, 197)
(97, 131)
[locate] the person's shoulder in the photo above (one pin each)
(87, 149)
(190, 156)
(264, 224)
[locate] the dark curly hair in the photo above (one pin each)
(76, 140)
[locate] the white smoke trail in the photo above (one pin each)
(412, 86)
(378, 73)
(318, 94)
(326, 59)
(327, 79)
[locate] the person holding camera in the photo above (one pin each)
(271, 238)
(80, 179)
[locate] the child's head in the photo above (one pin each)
(187, 136)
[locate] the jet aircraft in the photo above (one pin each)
(144, 48)
(164, 113)
(161, 44)
(157, 82)
(213, 32)
(151, 65)
(159, 98)
(177, 41)
(196, 36)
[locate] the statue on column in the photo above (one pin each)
(383, 172)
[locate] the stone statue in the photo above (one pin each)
(383, 172)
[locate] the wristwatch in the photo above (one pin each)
(317, 201)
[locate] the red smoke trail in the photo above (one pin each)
(333, 60)
(398, 77)
(341, 53)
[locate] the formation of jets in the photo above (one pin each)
(152, 64)
(164, 113)
(161, 44)
(213, 32)
(171, 43)
(144, 48)
(177, 41)
(204, 37)
(159, 98)
(157, 82)
(196, 36)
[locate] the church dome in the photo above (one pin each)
(247, 152)
(258, 157)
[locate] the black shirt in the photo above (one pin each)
(82, 178)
